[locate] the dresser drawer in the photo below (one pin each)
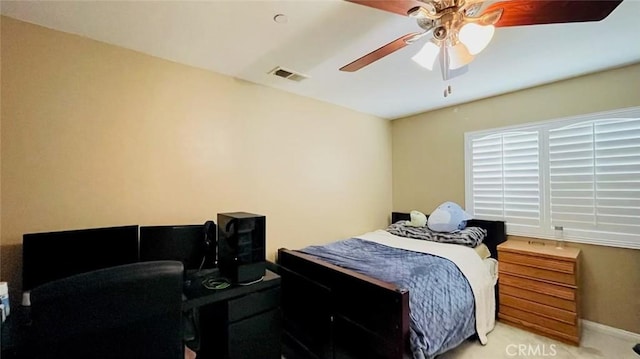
(537, 297)
(538, 273)
(554, 290)
(571, 330)
(539, 309)
(557, 265)
(253, 303)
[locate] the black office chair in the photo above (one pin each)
(128, 311)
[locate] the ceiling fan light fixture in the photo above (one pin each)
(476, 37)
(459, 56)
(426, 57)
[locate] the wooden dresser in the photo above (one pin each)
(539, 289)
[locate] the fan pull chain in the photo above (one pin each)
(447, 91)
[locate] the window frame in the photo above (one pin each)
(545, 230)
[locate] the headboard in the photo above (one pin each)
(496, 233)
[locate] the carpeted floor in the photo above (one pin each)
(508, 342)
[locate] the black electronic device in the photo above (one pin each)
(54, 255)
(193, 245)
(241, 246)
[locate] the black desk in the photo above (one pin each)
(203, 296)
(239, 322)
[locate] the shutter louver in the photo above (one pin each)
(617, 170)
(594, 170)
(506, 178)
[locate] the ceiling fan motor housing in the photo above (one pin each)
(426, 24)
(440, 33)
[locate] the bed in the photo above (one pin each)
(333, 312)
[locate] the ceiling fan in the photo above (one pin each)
(460, 29)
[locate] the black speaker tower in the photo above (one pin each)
(241, 246)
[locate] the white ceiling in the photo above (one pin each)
(240, 39)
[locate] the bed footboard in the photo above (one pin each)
(332, 312)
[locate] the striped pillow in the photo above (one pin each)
(470, 236)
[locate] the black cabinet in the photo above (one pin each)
(256, 337)
(245, 324)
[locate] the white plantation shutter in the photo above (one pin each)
(506, 178)
(581, 173)
(595, 176)
(571, 176)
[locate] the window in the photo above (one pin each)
(579, 174)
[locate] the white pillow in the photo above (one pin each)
(482, 250)
(418, 219)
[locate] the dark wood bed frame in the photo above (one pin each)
(332, 312)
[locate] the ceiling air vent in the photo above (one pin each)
(288, 74)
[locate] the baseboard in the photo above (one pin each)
(614, 332)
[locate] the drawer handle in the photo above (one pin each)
(536, 243)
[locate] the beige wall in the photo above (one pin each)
(97, 135)
(428, 169)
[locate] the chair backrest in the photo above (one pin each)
(128, 311)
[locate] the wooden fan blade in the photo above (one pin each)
(401, 7)
(533, 12)
(381, 52)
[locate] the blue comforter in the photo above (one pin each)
(441, 303)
